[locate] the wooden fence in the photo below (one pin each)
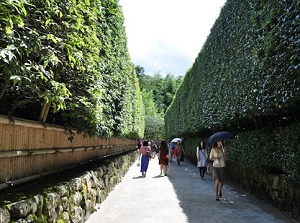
(29, 149)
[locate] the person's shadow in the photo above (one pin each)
(158, 176)
(139, 177)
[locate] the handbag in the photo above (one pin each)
(209, 167)
(149, 155)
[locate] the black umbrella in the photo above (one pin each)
(219, 136)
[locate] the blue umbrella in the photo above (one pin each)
(219, 136)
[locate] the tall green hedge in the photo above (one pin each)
(245, 78)
(66, 62)
(248, 67)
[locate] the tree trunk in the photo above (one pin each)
(44, 112)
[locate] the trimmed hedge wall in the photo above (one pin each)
(246, 80)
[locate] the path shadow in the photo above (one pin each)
(197, 199)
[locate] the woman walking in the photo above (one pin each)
(218, 155)
(163, 157)
(202, 156)
(145, 152)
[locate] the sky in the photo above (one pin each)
(165, 36)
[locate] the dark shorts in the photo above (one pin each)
(219, 173)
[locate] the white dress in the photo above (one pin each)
(203, 156)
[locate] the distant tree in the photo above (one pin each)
(154, 127)
(158, 86)
(148, 101)
(170, 89)
(158, 93)
(140, 71)
(163, 88)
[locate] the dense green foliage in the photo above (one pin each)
(154, 127)
(158, 93)
(66, 62)
(246, 77)
(162, 88)
(274, 151)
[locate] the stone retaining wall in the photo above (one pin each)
(71, 201)
(271, 188)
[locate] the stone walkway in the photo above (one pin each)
(180, 197)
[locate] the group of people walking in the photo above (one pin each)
(165, 152)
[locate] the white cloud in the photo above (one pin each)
(166, 35)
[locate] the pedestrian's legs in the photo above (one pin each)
(171, 155)
(160, 167)
(217, 189)
(165, 168)
(178, 157)
(221, 180)
(202, 171)
(216, 174)
(220, 188)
